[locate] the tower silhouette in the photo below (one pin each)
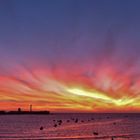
(30, 108)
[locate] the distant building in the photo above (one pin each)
(19, 109)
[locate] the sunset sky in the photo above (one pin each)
(70, 55)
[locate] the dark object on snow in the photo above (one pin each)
(95, 133)
(41, 128)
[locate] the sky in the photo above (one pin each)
(70, 55)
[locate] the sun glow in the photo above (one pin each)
(94, 94)
(101, 96)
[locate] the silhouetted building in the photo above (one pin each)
(19, 109)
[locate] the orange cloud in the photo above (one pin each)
(67, 91)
